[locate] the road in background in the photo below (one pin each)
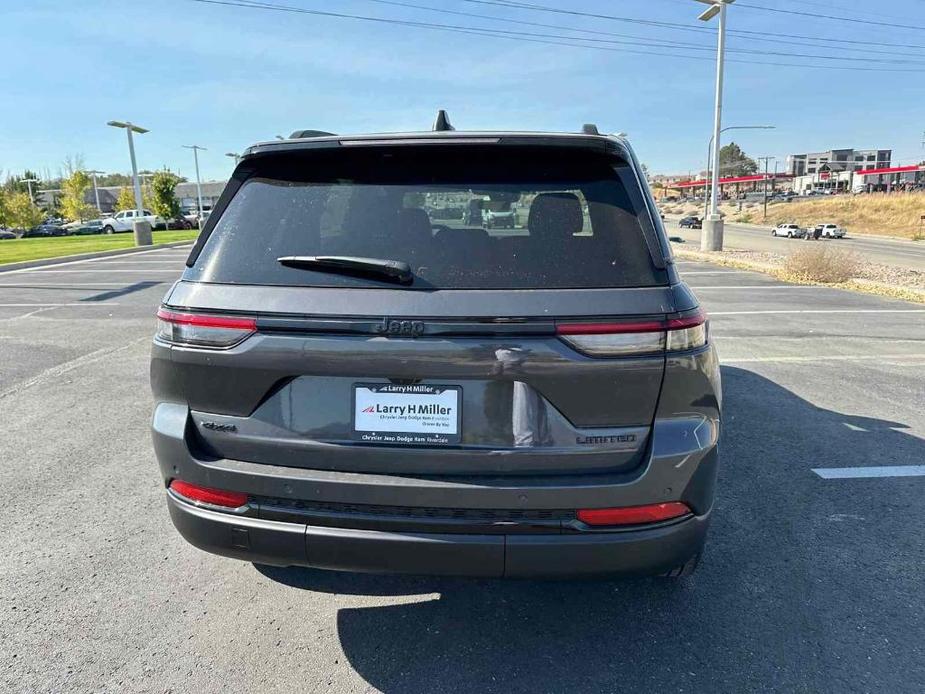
(808, 584)
(886, 251)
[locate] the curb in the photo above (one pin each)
(61, 260)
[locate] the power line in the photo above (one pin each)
(550, 39)
(647, 39)
(681, 27)
(836, 18)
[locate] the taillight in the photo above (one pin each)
(633, 515)
(639, 337)
(208, 495)
(202, 330)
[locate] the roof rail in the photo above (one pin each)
(442, 122)
(589, 129)
(302, 134)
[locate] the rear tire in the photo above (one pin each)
(108, 229)
(686, 569)
(789, 234)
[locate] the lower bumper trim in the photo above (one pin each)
(644, 551)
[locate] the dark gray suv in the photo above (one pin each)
(350, 375)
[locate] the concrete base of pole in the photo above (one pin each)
(142, 231)
(711, 238)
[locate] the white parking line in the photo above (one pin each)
(824, 358)
(102, 271)
(104, 258)
(688, 273)
(846, 473)
(69, 285)
(78, 303)
(819, 310)
(758, 286)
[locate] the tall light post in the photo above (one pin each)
(233, 155)
(96, 192)
(196, 149)
(29, 182)
(712, 235)
(129, 129)
(714, 168)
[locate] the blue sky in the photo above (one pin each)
(225, 77)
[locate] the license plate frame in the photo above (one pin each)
(404, 428)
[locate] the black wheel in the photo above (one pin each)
(108, 229)
(686, 569)
(789, 234)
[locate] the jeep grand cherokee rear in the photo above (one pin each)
(345, 381)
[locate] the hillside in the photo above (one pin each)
(896, 214)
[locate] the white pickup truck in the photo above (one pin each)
(122, 221)
(789, 230)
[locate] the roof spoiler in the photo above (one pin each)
(303, 134)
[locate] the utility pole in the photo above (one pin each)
(765, 160)
(196, 149)
(712, 235)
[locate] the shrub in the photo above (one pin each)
(822, 263)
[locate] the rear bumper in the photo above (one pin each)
(650, 550)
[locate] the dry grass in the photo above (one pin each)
(821, 263)
(896, 214)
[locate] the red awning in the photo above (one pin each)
(889, 170)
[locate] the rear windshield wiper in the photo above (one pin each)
(391, 270)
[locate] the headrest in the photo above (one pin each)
(555, 215)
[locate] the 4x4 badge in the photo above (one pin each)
(406, 328)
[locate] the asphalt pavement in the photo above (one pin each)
(812, 579)
(886, 251)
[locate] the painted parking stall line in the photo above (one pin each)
(846, 473)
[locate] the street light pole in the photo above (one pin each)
(196, 149)
(712, 234)
(236, 157)
(709, 154)
(29, 182)
(129, 129)
(96, 192)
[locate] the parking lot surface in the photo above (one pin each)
(812, 580)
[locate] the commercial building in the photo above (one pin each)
(838, 160)
(185, 193)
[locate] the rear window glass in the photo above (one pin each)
(461, 217)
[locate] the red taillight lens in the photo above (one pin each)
(202, 330)
(207, 495)
(640, 337)
(634, 515)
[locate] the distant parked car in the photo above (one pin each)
(499, 219)
(194, 216)
(45, 229)
(691, 223)
(791, 231)
(179, 223)
(830, 231)
(92, 226)
(7, 234)
(123, 221)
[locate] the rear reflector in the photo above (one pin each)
(207, 495)
(635, 337)
(202, 330)
(633, 515)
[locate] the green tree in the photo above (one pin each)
(163, 200)
(734, 162)
(21, 212)
(126, 199)
(4, 212)
(74, 189)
